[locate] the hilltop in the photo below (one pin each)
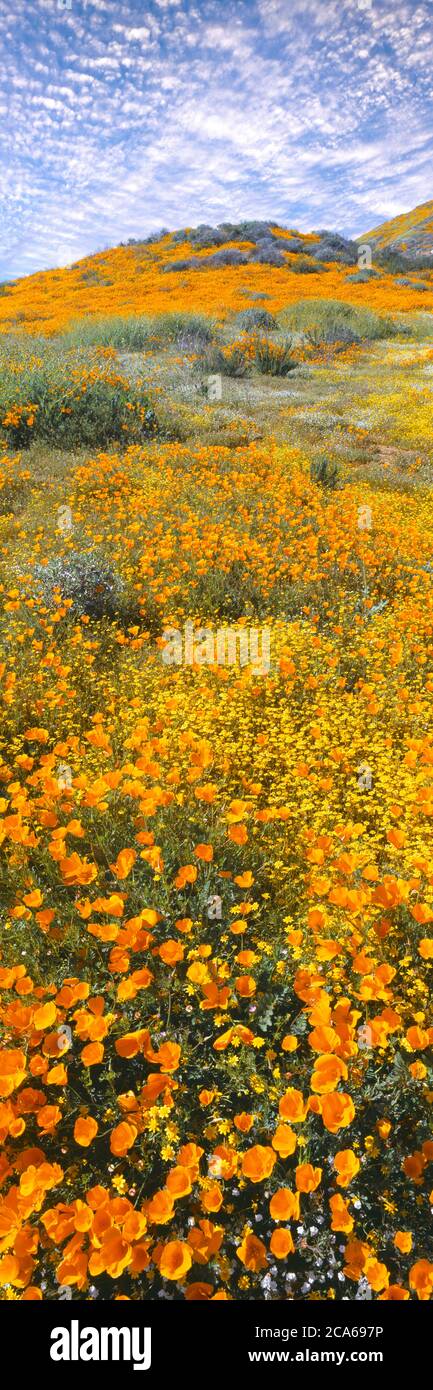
(410, 233)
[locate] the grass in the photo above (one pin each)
(333, 401)
(138, 332)
(332, 318)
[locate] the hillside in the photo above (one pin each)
(216, 753)
(217, 270)
(411, 232)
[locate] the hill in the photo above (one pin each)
(219, 270)
(410, 232)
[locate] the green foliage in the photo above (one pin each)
(94, 589)
(362, 277)
(69, 400)
(138, 332)
(250, 319)
(274, 359)
(417, 326)
(393, 260)
(331, 320)
(304, 266)
(232, 362)
(88, 581)
(126, 334)
(326, 473)
(230, 594)
(183, 329)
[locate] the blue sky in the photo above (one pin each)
(119, 117)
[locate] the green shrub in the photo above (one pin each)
(71, 400)
(250, 319)
(328, 317)
(87, 580)
(274, 359)
(414, 284)
(362, 277)
(138, 332)
(333, 247)
(394, 260)
(95, 590)
(418, 326)
(253, 294)
(230, 594)
(94, 277)
(326, 473)
(339, 332)
(303, 266)
(232, 362)
(126, 334)
(178, 328)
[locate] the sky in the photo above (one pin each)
(120, 117)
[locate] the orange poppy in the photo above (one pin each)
(171, 952)
(307, 1178)
(341, 1218)
(421, 1279)
(347, 1166)
(175, 1260)
(284, 1141)
(252, 1253)
(281, 1243)
(403, 1242)
(243, 1122)
(337, 1110)
(85, 1129)
(160, 1208)
(178, 1181)
(258, 1162)
(285, 1205)
(292, 1106)
(122, 1138)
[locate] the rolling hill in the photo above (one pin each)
(410, 232)
(220, 270)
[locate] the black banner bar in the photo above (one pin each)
(260, 1342)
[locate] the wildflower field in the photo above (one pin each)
(216, 875)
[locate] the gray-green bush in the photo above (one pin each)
(334, 321)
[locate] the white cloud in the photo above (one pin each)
(125, 118)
